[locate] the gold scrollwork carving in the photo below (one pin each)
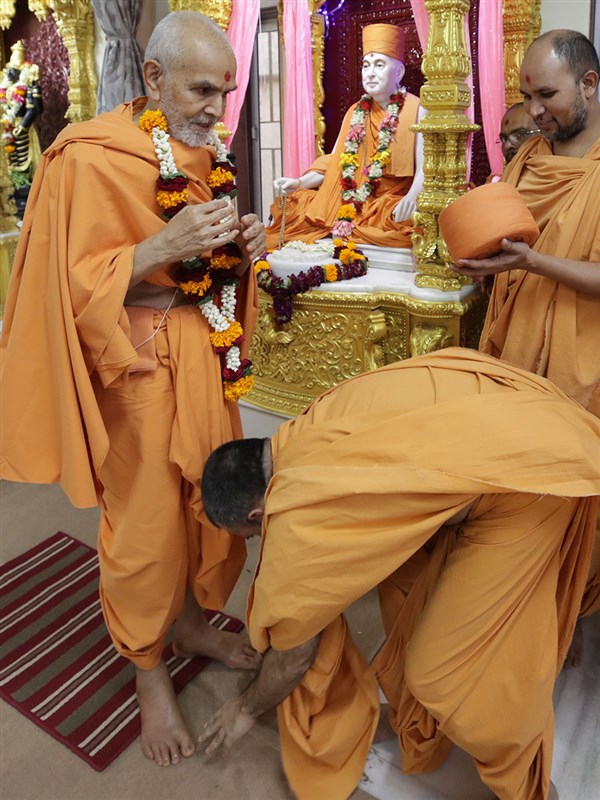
(217, 10)
(427, 338)
(335, 335)
(374, 337)
(521, 23)
(317, 29)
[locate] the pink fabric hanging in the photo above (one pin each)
(421, 18)
(491, 75)
(298, 121)
(241, 34)
(471, 108)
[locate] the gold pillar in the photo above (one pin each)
(217, 10)
(317, 32)
(446, 97)
(75, 24)
(522, 22)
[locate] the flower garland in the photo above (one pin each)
(202, 278)
(282, 290)
(354, 196)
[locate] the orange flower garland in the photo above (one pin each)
(201, 277)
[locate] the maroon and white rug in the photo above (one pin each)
(58, 665)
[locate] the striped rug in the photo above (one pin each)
(58, 665)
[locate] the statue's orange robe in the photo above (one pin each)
(82, 408)
(311, 213)
(363, 482)
(532, 320)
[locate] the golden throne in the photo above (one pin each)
(335, 335)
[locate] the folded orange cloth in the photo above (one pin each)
(474, 225)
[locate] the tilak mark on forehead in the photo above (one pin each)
(228, 76)
(527, 79)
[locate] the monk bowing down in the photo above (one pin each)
(479, 547)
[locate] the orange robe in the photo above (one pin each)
(363, 482)
(311, 213)
(535, 322)
(80, 407)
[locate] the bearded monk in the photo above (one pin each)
(315, 202)
(111, 385)
(497, 530)
(544, 310)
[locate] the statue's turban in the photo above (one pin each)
(383, 38)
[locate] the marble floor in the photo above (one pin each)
(33, 766)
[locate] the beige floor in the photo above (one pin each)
(36, 767)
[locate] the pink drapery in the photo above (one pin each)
(298, 121)
(241, 34)
(491, 75)
(421, 18)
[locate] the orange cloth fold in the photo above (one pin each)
(474, 225)
(128, 430)
(534, 321)
(310, 213)
(92, 201)
(363, 480)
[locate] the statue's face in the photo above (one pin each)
(381, 76)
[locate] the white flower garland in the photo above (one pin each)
(219, 319)
(385, 136)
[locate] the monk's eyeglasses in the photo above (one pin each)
(518, 136)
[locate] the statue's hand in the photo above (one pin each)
(286, 185)
(405, 209)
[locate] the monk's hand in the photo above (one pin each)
(251, 240)
(225, 727)
(404, 209)
(198, 229)
(514, 255)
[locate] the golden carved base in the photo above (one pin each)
(336, 335)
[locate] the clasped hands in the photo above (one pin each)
(202, 227)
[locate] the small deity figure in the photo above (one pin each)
(366, 190)
(20, 105)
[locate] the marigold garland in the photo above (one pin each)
(354, 196)
(200, 278)
(282, 290)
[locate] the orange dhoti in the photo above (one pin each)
(154, 537)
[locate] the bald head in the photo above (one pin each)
(189, 70)
(574, 49)
(516, 127)
(173, 36)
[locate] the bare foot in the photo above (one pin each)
(195, 637)
(384, 730)
(552, 794)
(575, 651)
(165, 736)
